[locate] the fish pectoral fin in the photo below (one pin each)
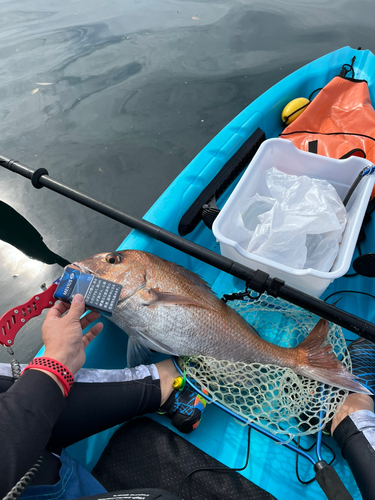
(152, 297)
(137, 354)
(155, 344)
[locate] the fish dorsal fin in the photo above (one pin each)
(153, 297)
(193, 277)
(172, 267)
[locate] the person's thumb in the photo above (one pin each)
(78, 307)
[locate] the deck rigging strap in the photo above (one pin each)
(314, 305)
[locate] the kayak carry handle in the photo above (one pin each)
(330, 482)
(267, 284)
(229, 172)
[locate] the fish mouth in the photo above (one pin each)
(79, 267)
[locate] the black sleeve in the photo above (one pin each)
(360, 455)
(28, 412)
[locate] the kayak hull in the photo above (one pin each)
(272, 466)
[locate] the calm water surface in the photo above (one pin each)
(116, 98)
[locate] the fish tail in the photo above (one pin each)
(319, 362)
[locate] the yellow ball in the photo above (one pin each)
(293, 109)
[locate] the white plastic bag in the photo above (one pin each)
(296, 221)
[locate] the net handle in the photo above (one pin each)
(330, 482)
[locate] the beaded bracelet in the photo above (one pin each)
(58, 369)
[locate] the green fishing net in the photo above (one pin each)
(274, 398)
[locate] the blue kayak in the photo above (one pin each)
(272, 465)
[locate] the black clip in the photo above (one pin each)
(275, 286)
(239, 296)
(258, 281)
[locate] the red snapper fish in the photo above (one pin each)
(169, 309)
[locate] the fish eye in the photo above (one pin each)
(113, 258)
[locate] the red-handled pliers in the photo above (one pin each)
(13, 320)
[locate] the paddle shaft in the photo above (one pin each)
(40, 178)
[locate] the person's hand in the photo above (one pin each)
(62, 335)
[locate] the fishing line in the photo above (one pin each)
(219, 469)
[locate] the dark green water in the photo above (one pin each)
(116, 98)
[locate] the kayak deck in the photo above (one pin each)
(271, 466)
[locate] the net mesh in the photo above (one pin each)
(275, 398)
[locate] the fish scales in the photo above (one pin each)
(167, 308)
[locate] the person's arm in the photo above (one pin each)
(28, 411)
(30, 408)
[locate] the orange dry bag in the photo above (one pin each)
(339, 122)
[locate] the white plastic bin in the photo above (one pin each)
(283, 155)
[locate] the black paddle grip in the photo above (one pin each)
(330, 482)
